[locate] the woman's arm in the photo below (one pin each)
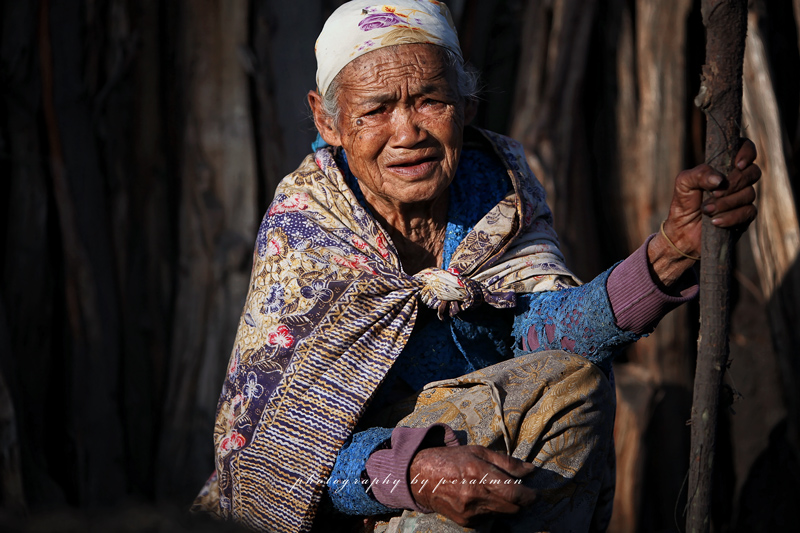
(371, 474)
(599, 318)
(626, 302)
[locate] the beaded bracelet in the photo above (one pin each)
(687, 256)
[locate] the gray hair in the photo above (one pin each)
(467, 79)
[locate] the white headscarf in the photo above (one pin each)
(362, 26)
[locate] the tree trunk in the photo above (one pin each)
(28, 267)
(721, 99)
(636, 398)
(90, 281)
(217, 227)
(646, 45)
(283, 72)
(549, 120)
(652, 122)
(775, 236)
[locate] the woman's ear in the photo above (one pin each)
(324, 123)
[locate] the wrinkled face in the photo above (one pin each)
(401, 123)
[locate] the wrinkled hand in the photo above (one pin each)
(730, 205)
(441, 481)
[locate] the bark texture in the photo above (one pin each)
(720, 98)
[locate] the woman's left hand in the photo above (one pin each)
(730, 205)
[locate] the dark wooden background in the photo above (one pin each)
(141, 141)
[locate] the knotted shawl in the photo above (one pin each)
(330, 309)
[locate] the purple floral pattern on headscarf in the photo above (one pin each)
(379, 20)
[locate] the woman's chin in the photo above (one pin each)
(424, 192)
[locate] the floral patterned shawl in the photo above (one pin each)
(328, 312)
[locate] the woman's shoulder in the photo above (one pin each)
(318, 169)
(490, 141)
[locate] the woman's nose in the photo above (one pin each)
(408, 132)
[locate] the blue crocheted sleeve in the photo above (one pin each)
(579, 320)
(345, 489)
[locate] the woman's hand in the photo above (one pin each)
(465, 482)
(730, 205)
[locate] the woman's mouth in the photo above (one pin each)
(414, 167)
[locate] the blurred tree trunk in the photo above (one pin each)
(282, 66)
(217, 221)
(133, 124)
(651, 117)
(91, 295)
(29, 270)
(775, 236)
(652, 127)
(549, 120)
(636, 399)
(489, 35)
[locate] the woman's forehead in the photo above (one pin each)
(421, 67)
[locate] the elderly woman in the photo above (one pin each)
(412, 347)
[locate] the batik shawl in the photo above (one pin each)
(330, 309)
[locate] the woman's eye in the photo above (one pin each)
(371, 114)
(431, 102)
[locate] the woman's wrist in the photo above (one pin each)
(667, 264)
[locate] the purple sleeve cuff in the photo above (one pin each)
(388, 470)
(637, 301)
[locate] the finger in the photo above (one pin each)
(462, 503)
(700, 178)
(502, 476)
(717, 206)
(739, 179)
(496, 505)
(515, 492)
(498, 498)
(746, 155)
(510, 465)
(738, 217)
(500, 486)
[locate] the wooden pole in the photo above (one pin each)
(721, 99)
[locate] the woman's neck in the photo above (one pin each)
(418, 231)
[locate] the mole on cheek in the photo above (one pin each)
(359, 122)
